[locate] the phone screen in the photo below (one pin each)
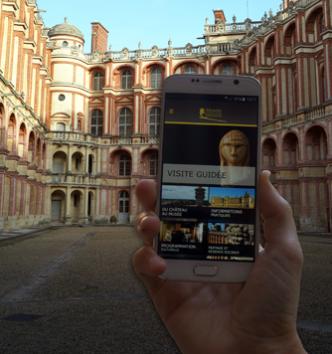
(208, 177)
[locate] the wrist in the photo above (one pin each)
(249, 344)
(289, 345)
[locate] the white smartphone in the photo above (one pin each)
(208, 177)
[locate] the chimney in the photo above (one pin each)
(288, 3)
(99, 38)
(219, 16)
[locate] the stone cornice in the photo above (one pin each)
(10, 6)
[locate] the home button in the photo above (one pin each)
(206, 271)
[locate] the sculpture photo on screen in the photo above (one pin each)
(234, 149)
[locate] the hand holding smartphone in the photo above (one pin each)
(208, 177)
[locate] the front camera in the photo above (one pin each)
(236, 82)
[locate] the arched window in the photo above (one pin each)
(98, 80)
(77, 162)
(156, 76)
(269, 51)
(31, 148)
(315, 26)
(21, 141)
(11, 134)
(316, 144)
(269, 153)
(126, 79)
(124, 164)
(227, 68)
(125, 123)
(253, 61)
(97, 122)
(290, 150)
(190, 69)
(289, 39)
(153, 163)
(154, 121)
(59, 162)
(124, 202)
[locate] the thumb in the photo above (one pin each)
(279, 227)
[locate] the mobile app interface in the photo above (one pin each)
(208, 177)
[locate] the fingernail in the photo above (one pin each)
(267, 173)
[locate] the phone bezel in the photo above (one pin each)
(207, 84)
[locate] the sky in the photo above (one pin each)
(231, 192)
(150, 22)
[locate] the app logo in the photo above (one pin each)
(211, 114)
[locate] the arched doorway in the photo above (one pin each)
(290, 150)
(269, 153)
(58, 202)
(316, 144)
(76, 205)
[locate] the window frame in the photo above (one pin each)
(98, 80)
(126, 79)
(124, 165)
(96, 128)
(154, 114)
(156, 76)
(125, 122)
(124, 202)
(153, 163)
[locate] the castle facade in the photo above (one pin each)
(78, 131)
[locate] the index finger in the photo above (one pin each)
(146, 192)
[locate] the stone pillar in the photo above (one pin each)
(106, 115)
(133, 203)
(135, 160)
(279, 89)
(2, 181)
(12, 196)
(328, 13)
(68, 216)
(207, 66)
(85, 206)
(328, 64)
(48, 203)
(69, 163)
(86, 160)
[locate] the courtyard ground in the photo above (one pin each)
(72, 290)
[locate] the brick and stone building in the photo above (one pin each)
(77, 131)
